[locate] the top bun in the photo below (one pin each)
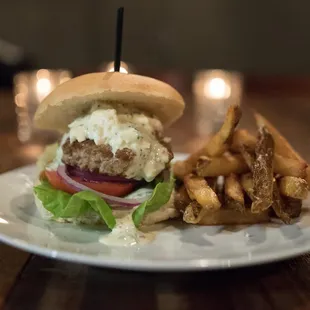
(75, 97)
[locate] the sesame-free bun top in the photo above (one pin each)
(75, 98)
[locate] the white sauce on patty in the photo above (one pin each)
(124, 129)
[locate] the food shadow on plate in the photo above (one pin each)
(254, 235)
(24, 208)
(196, 236)
(202, 235)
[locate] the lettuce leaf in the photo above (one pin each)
(64, 205)
(160, 196)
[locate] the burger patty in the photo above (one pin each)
(88, 156)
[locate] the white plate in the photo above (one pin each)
(176, 247)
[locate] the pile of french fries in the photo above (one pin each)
(239, 178)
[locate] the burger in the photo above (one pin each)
(113, 159)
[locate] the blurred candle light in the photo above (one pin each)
(64, 76)
(31, 151)
(43, 87)
(30, 88)
(217, 88)
(124, 67)
(214, 91)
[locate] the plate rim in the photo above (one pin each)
(155, 265)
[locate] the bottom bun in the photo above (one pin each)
(166, 212)
(233, 217)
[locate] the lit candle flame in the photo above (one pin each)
(217, 88)
(44, 87)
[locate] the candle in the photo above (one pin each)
(214, 91)
(30, 88)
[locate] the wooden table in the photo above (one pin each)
(33, 282)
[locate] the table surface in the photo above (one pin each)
(33, 282)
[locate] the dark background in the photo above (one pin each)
(260, 37)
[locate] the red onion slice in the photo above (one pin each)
(111, 200)
(96, 177)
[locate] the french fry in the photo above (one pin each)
(181, 198)
(193, 213)
(219, 143)
(289, 167)
(216, 146)
(247, 184)
(242, 137)
(293, 187)
(199, 190)
(282, 146)
(219, 189)
(244, 143)
(281, 165)
(292, 206)
(224, 165)
(185, 167)
(263, 172)
(225, 216)
(278, 205)
(248, 156)
(234, 198)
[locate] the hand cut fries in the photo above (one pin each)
(234, 198)
(281, 165)
(263, 172)
(292, 206)
(263, 177)
(248, 156)
(199, 190)
(224, 165)
(294, 187)
(193, 213)
(216, 146)
(282, 147)
(182, 199)
(278, 205)
(289, 167)
(182, 168)
(219, 143)
(243, 138)
(232, 217)
(248, 185)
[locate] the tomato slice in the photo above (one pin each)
(57, 182)
(108, 188)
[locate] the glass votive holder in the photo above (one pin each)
(30, 88)
(214, 91)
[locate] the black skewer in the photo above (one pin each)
(119, 35)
